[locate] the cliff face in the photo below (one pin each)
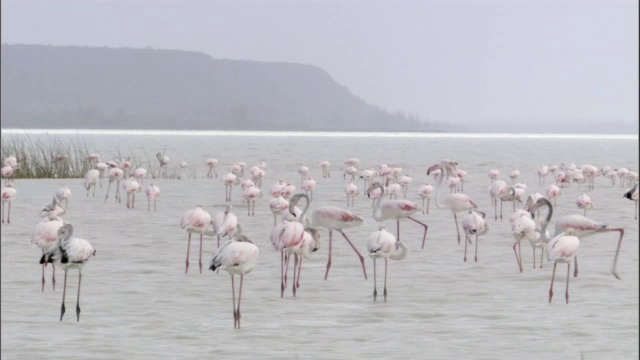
(106, 88)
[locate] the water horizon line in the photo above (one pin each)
(138, 132)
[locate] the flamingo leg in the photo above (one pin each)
(43, 273)
(385, 280)
(299, 271)
(78, 298)
(235, 315)
(108, 189)
(575, 270)
(64, 292)
(133, 200)
(188, 247)
(426, 227)
(566, 294)
(541, 253)
(53, 276)
(552, 277)
(455, 218)
(329, 259)
(375, 290)
(118, 198)
(9, 214)
(287, 257)
(200, 259)
(466, 238)
(295, 273)
(615, 259)
(476, 255)
(94, 190)
(239, 298)
(534, 257)
(516, 253)
(364, 270)
(154, 204)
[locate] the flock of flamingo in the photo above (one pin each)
(298, 234)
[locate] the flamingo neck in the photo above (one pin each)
(400, 253)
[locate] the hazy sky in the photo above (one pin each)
(451, 61)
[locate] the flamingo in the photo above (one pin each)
(183, 165)
(493, 175)
(351, 171)
(584, 202)
(553, 192)
(294, 213)
(611, 175)
(543, 171)
(382, 244)
(309, 245)
(126, 166)
(164, 162)
(396, 210)
(335, 218)
(326, 172)
(45, 235)
(140, 174)
(278, 205)
(7, 174)
(352, 191)
(461, 175)
(352, 162)
(93, 158)
(457, 202)
(229, 179)
(276, 189)
(237, 257)
(303, 170)
(225, 223)
(63, 194)
(152, 192)
(425, 192)
(131, 187)
(562, 248)
(405, 182)
(196, 221)
(288, 190)
(523, 227)
(102, 168)
(90, 180)
(7, 195)
(514, 174)
(622, 174)
(453, 183)
(308, 186)
(583, 227)
(286, 235)
(257, 174)
(366, 176)
(212, 164)
(632, 195)
(251, 194)
(473, 224)
(116, 175)
(72, 253)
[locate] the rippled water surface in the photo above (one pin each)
(138, 303)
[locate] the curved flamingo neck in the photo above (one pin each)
(545, 224)
(399, 255)
(377, 216)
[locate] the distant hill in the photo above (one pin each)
(108, 88)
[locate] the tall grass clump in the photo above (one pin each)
(52, 159)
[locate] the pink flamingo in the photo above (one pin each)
(523, 227)
(473, 224)
(308, 186)
(553, 192)
(611, 175)
(453, 183)
(584, 202)
(461, 175)
(131, 187)
(229, 179)
(152, 192)
(632, 195)
(622, 174)
(288, 190)
(196, 221)
(543, 171)
(278, 205)
(562, 248)
(225, 223)
(183, 165)
(93, 158)
(309, 245)
(63, 194)
(405, 182)
(212, 164)
(326, 171)
(581, 225)
(382, 244)
(164, 164)
(103, 169)
(140, 174)
(276, 189)
(45, 235)
(116, 175)
(335, 218)
(303, 171)
(425, 192)
(457, 202)
(237, 257)
(396, 210)
(351, 171)
(352, 162)
(7, 174)
(352, 191)
(285, 235)
(72, 253)
(90, 180)
(493, 175)
(251, 194)
(257, 174)
(7, 195)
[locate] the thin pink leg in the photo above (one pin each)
(364, 270)
(426, 227)
(534, 257)
(108, 189)
(385, 280)
(235, 315)
(566, 294)
(78, 298)
(239, 298)
(299, 271)
(188, 247)
(455, 218)
(281, 273)
(553, 275)
(43, 274)
(64, 293)
(295, 273)
(326, 274)
(53, 276)
(375, 290)
(9, 214)
(466, 238)
(575, 271)
(516, 253)
(476, 256)
(200, 259)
